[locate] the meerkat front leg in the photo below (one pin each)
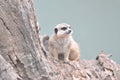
(54, 53)
(66, 56)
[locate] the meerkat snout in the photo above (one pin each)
(69, 31)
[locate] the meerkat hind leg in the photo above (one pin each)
(74, 56)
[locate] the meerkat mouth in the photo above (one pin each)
(68, 32)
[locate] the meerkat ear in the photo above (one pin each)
(56, 30)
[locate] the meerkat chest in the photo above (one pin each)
(62, 45)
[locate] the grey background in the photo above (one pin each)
(96, 23)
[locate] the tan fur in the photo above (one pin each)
(63, 44)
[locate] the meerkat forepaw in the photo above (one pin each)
(66, 62)
(55, 60)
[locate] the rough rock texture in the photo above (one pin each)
(19, 41)
(102, 68)
(23, 55)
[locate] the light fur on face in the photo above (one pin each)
(63, 30)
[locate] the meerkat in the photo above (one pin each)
(61, 44)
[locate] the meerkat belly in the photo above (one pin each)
(61, 49)
(62, 46)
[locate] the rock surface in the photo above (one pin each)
(23, 55)
(102, 68)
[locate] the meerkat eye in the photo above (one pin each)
(63, 28)
(56, 30)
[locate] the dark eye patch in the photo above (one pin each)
(56, 30)
(63, 28)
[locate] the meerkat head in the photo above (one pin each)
(63, 30)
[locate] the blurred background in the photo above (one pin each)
(96, 23)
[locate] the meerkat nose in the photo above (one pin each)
(69, 31)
